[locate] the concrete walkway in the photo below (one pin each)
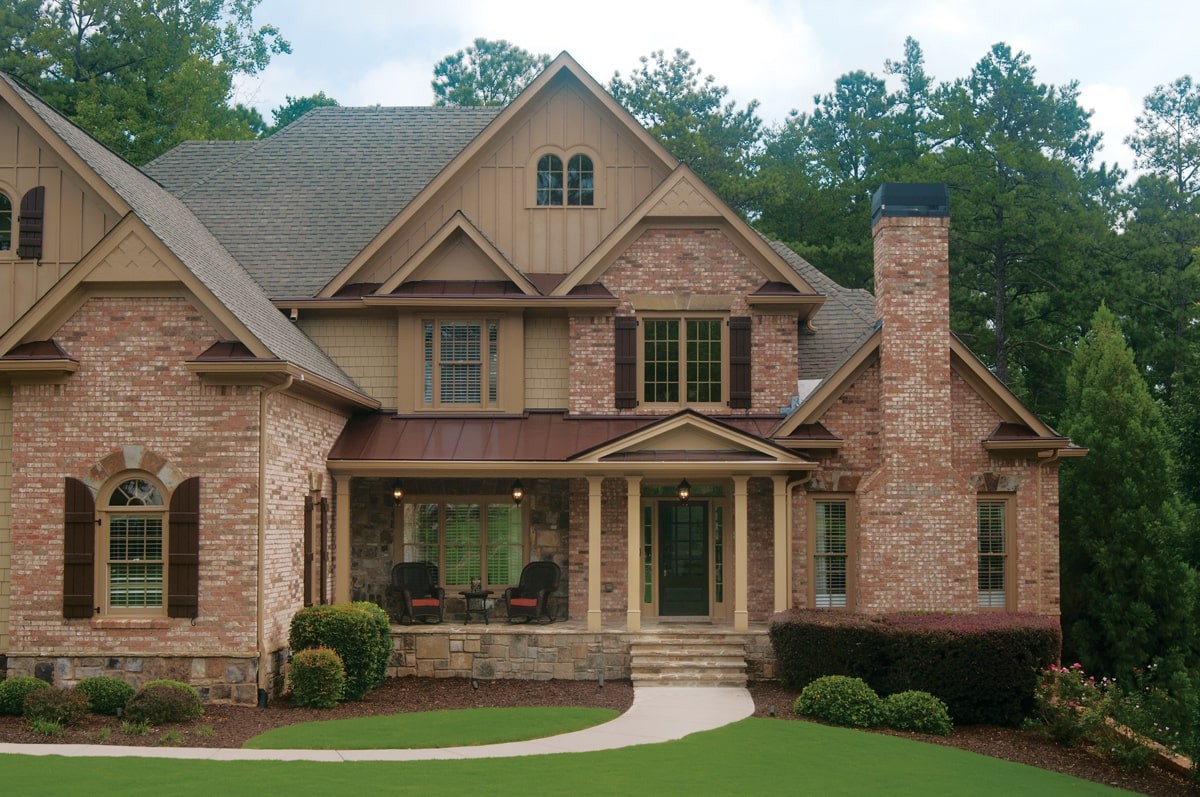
(658, 714)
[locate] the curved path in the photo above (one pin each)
(658, 714)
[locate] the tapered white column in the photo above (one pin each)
(741, 551)
(633, 501)
(593, 611)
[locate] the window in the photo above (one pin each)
(466, 539)
(577, 187)
(831, 585)
(992, 533)
(682, 358)
(136, 517)
(461, 362)
(6, 220)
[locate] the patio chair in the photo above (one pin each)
(415, 593)
(531, 598)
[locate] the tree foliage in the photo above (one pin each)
(489, 72)
(295, 107)
(141, 75)
(689, 114)
(1128, 595)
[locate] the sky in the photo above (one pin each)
(779, 52)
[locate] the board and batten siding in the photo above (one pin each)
(496, 189)
(75, 218)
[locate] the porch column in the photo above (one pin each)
(783, 546)
(593, 611)
(633, 501)
(741, 550)
(341, 540)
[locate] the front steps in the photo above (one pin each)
(681, 658)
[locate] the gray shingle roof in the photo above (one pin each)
(295, 208)
(202, 254)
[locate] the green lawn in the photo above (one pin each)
(754, 756)
(432, 729)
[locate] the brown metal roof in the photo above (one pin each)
(1017, 431)
(38, 350)
(534, 437)
(465, 288)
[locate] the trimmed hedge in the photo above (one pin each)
(105, 694)
(917, 711)
(13, 692)
(841, 700)
(983, 666)
(162, 701)
(360, 633)
(317, 678)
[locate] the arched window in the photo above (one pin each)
(580, 181)
(6, 219)
(133, 555)
(550, 180)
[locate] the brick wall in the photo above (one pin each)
(5, 514)
(614, 544)
(681, 264)
(133, 402)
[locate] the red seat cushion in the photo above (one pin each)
(426, 602)
(526, 602)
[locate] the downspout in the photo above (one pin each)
(260, 612)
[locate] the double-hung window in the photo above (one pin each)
(467, 539)
(993, 548)
(461, 362)
(830, 548)
(682, 360)
(134, 566)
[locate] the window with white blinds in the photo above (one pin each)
(992, 535)
(461, 362)
(830, 554)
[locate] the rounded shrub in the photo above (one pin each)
(841, 700)
(917, 711)
(359, 632)
(105, 694)
(164, 701)
(317, 678)
(61, 705)
(14, 690)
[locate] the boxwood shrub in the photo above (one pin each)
(917, 711)
(359, 632)
(105, 694)
(317, 678)
(164, 701)
(983, 666)
(13, 692)
(841, 700)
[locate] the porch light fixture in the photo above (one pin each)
(398, 491)
(518, 492)
(684, 490)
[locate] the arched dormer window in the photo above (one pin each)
(580, 181)
(549, 180)
(574, 186)
(6, 220)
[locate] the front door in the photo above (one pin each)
(683, 558)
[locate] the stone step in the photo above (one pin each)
(689, 677)
(685, 650)
(693, 659)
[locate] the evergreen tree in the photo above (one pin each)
(486, 73)
(1128, 596)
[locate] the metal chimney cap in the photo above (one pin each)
(910, 199)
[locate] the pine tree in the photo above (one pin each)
(1128, 595)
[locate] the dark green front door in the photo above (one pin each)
(683, 558)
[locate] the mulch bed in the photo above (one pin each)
(231, 726)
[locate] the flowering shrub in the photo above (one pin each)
(1070, 705)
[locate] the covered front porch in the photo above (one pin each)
(650, 520)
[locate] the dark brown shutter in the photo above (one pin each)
(308, 550)
(79, 549)
(322, 537)
(739, 362)
(183, 557)
(33, 206)
(626, 362)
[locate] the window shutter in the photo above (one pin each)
(308, 550)
(626, 362)
(183, 558)
(323, 549)
(32, 211)
(739, 362)
(79, 549)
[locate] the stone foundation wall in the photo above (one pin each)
(218, 679)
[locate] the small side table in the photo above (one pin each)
(479, 599)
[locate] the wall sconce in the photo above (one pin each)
(518, 492)
(684, 490)
(398, 491)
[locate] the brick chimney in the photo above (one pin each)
(910, 227)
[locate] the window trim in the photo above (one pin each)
(1009, 554)
(105, 512)
(13, 217)
(851, 554)
(565, 156)
(484, 501)
(430, 384)
(722, 401)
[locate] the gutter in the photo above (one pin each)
(260, 613)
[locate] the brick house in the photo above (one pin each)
(216, 372)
